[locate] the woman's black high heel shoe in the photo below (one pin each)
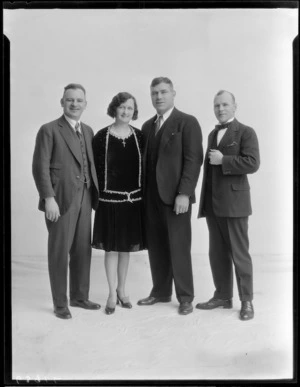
(110, 307)
(125, 303)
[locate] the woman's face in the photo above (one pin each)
(125, 111)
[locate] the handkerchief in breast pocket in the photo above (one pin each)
(232, 144)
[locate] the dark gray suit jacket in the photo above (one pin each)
(180, 155)
(230, 186)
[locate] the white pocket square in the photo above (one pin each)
(234, 143)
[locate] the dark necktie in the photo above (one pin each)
(222, 126)
(158, 124)
(77, 126)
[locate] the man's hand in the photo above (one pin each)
(181, 204)
(51, 209)
(215, 157)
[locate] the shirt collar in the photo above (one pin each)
(73, 122)
(231, 119)
(165, 115)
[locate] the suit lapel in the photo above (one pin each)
(88, 142)
(69, 138)
(210, 140)
(169, 129)
(209, 144)
(229, 136)
(147, 134)
(89, 150)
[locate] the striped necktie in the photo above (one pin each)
(158, 123)
(77, 127)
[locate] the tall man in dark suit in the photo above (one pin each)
(172, 159)
(64, 173)
(232, 153)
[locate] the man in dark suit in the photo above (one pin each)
(232, 153)
(64, 173)
(172, 160)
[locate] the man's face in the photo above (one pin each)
(73, 103)
(162, 96)
(224, 107)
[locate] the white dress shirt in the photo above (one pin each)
(73, 123)
(164, 116)
(221, 132)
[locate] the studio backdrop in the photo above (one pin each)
(245, 51)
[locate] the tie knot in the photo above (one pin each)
(158, 123)
(222, 126)
(77, 127)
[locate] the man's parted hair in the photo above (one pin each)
(74, 86)
(118, 100)
(158, 80)
(220, 92)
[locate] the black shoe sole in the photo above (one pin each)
(109, 311)
(63, 317)
(246, 319)
(185, 313)
(215, 307)
(83, 307)
(163, 300)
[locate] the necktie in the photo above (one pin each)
(158, 123)
(77, 126)
(222, 126)
(220, 134)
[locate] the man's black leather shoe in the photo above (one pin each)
(185, 308)
(215, 303)
(62, 312)
(247, 311)
(153, 300)
(86, 304)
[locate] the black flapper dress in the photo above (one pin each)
(118, 223)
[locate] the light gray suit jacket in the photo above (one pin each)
(57, 163)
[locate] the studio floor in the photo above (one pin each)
(154, 342)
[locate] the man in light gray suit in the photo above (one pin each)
(64, 172)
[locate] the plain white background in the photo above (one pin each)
(246, 51)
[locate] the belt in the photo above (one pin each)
(120, 196)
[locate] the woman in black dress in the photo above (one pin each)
(118, 224)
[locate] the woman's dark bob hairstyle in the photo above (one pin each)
(118, 100)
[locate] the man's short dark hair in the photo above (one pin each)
(74, 86)
(220, 92)
(118, 100)
(158, 80)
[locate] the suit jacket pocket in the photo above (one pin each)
(231, 149)
(55, 172)
(55, 166)
(240, 187)
(232, 144)
(174, 137)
